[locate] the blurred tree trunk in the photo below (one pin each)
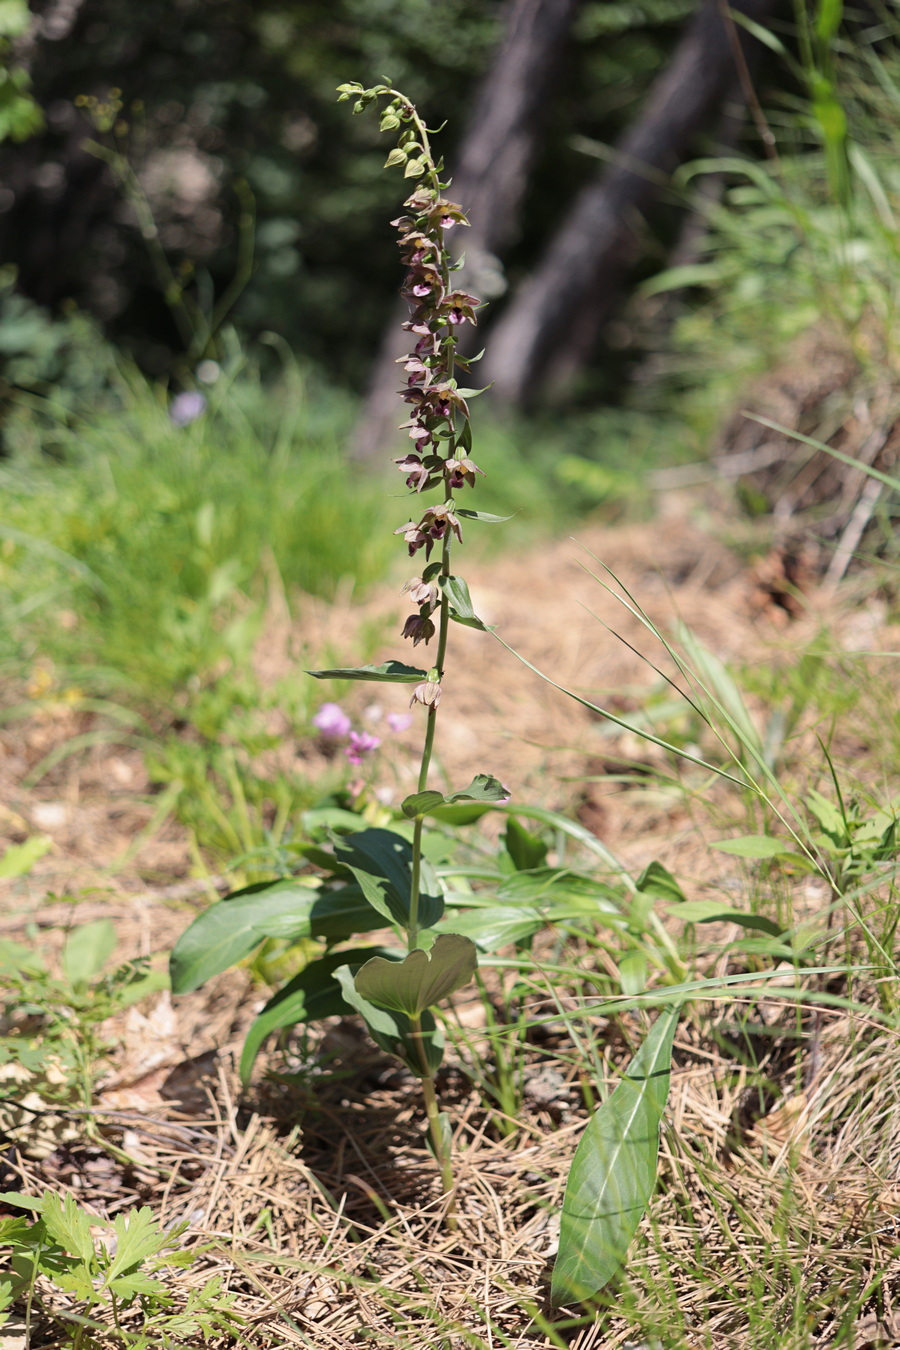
(549, 329)
(489, 182)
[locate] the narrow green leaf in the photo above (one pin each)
(311, 995)
(613, 1173)
(481, 515)
(422, 978)
(712, 911)
(757, 30)
(473, 622)
(752, 846)
(473, 393)
(381, 862)
(389, 672)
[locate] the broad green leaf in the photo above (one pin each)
(381, 862)
(20, 858)
(484, 787)
(68, 1225)
(230, 930)
(457, 592)
(459, 815)
(421, 979)
(392, 1030)
(497, 926)
(19, 1201)
(658, 881)
(137, 1283)
(527, 850)
(829, 817)
(752, 846)
(331, 818)
(137, 1237)
(312, 994)
(87, 951)
(559, 889)
(16, 958)
(613, 1172)
(389, 672)
(461, 610)
(421, 803)
(712, 911)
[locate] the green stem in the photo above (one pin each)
(434, 1125)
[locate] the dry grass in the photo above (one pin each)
(776, 1222)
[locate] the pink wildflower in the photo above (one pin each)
(361, 743)
(332, 721)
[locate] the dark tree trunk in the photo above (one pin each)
(551, 325)
(489, 181)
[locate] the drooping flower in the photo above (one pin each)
(419, 628)
(332, 721)
(428, 693)
(422, 592)
(361, 744)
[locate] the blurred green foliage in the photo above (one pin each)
(214, 94)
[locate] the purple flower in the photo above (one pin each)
(332, 721)
(186, 408)
(399, 721)
(360, 744)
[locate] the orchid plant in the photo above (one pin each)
(381, 877)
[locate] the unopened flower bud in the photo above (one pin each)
(428, 693)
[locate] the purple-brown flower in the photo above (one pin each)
(418, 627)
